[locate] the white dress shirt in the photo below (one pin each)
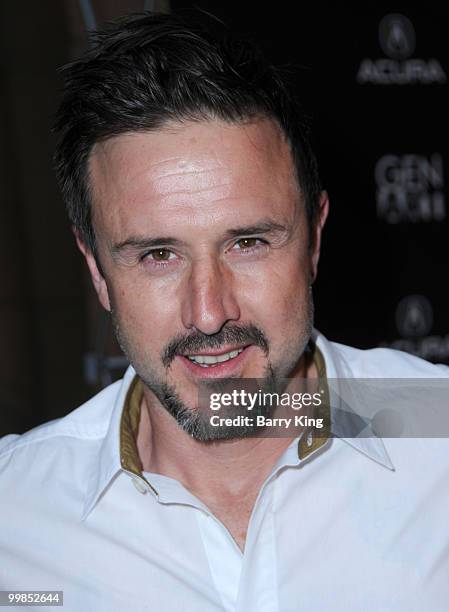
(348, 525)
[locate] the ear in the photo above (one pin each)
(97, 277)
(323, 210)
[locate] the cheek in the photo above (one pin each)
(277, 294)
(145, 313)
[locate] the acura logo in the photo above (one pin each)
(414, 316)
(397, 36)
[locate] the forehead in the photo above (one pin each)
(195, 172)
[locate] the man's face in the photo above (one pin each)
(203, 240)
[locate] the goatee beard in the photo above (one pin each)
(193, 420)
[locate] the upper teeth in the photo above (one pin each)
(206, 360)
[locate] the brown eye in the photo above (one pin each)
(247, 243)
(160, 254)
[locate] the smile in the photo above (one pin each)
(212, 364)
(207, 361)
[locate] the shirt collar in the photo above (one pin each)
(345, 422)
(106, 465)
(118, 450)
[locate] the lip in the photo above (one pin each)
(227, 349)
(227, 369)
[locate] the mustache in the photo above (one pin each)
(197, 341)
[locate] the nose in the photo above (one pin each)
(209, 299)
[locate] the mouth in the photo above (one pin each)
(216, 364)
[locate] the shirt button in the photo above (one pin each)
(140, 486)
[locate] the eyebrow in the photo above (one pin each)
(138, 243)
(265, 227)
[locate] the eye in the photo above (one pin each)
(159, 255)
(245, 244)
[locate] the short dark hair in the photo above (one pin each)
(145, 70)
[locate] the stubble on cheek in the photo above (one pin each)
(132, 347)
(297, 329)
